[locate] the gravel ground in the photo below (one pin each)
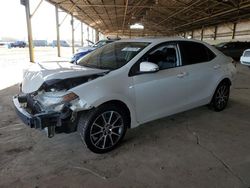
(198, 148)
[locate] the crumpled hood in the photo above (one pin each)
(38, 73)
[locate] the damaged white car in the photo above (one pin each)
(122, 85)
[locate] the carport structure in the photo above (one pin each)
(159, 17)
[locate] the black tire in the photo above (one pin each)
(99, 135)
(221, 96)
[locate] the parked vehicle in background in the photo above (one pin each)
(79, 55)
(40, 43)
(18, 44)
(85, 50)
(63, 43)
(98, 44)
(122, 85)
(245, 58)
(233, 49)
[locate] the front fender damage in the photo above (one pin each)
(46, 109)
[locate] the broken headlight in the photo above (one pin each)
(55, 100)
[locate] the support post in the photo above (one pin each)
(81, 34)
(57, 32)
(73, 36)
(234, 29)
(215, 32)
(202, 32)
(92, 35)
(88, 34)
(96, 35)
(192, 34)
(26, 3)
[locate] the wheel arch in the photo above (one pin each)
(120, 101)
(224, 79)
(227, 80)
(121, 105)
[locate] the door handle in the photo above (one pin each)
(182, 74)
(216, 66)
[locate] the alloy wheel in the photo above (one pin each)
(106, 130)
(222, 96)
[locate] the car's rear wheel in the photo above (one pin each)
(103, 128)
(221, 96)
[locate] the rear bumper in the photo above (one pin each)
(47, 121)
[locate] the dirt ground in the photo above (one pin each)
(198, 148)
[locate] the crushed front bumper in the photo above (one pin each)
(47, 121)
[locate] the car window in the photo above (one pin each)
(242, 45)
(246, 54)
(194, 52)
(108, 41)
(112, 56)
(220, 45)
(230, 45)
(164, 55)
(99, 44)
(239, 45)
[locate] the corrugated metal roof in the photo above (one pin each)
(159, 17)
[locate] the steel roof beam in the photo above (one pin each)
(37, 7)
(125, 13)
(214, 15)
(105, 25)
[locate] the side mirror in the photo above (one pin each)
(148, 67)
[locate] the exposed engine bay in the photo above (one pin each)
(66, 84)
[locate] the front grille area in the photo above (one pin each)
(33, 106)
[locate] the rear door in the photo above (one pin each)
(202, 70)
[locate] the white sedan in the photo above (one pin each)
(245, 58)
(122, 85)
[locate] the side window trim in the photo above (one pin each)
(175, 46)
(179, 55)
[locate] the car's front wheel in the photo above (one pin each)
(221, 96)
(103, 128)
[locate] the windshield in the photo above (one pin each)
(112, 56)
(102, 43)
(99, 44)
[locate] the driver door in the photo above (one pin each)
(161, 93)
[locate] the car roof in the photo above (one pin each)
(159, 40)
(108, 40)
